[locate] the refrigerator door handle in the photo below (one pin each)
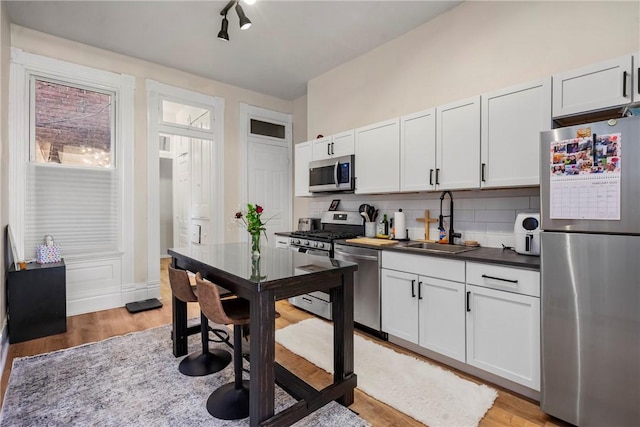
(624, 84)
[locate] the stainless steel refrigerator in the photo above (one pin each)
(590, 269)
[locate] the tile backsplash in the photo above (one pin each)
(486, 216)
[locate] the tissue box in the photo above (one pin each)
(47, 254)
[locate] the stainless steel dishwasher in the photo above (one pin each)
(366, 284)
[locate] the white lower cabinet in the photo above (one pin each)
(441, 317)
(424, 303)
(503, 334)
(503, 322)
(400, 305)
(492, 322)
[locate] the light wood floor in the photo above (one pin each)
(508, 409)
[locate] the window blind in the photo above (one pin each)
(79, 207)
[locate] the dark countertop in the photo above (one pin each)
(283, 233)
(505, 257)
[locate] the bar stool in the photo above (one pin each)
(206, 361)
(229, 401)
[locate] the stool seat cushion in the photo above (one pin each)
(181, 286)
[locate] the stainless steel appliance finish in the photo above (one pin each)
(334, 225)
(629, 185)
(335, 174)
(591, 297)
(366, 285)
(308, 224)
(591, 328)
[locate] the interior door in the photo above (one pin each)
(270, 185)
(268, 167)
(182, 193)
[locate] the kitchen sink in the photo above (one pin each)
(439, 247)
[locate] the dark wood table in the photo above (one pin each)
(276, 275)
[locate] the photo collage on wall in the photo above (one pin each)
(578, 156)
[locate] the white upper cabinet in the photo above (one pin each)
(377, 166)
(418, 151)
(603, 85)
(340, 144)
(302, 153)
(458, 145)
(343, 144)
(511, 122)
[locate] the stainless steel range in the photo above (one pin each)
(335, 225)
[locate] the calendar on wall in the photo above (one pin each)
(585, 177)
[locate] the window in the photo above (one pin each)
(72, 125)
(71, 179)
(274, 130)
(71, 148)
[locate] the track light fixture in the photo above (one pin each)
(224, 34)
(243, 20)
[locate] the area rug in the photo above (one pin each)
(130, 380)
(426, 392)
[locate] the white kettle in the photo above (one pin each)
(527, 233)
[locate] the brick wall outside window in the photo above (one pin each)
(72, 123)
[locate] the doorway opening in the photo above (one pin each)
(184, 172)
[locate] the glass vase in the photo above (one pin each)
(255, 245)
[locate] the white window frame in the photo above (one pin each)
(157, 92)
(23, 66)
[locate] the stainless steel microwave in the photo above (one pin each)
(335, 174)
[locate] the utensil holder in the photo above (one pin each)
(370, 229)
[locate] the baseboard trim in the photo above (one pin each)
(4, 345)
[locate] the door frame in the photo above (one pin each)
(155, 92)
(248, 112)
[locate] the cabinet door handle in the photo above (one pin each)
(638, 81)
(430, 176)
(419, 290)
(328, 149)
(468, 301)
(484, 168)
(332, 149)
(413, 289)
(624, 84)
(499, 278)
(437, 176)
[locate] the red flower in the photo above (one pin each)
(258, 209)
(238, 215)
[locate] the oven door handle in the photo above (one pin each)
(353, 256)
(335, 173)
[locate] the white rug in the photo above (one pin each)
(426, 392)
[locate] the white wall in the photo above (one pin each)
(166, 205)
(300, 204)
(476, 47)
(55, 47)
(5, 48)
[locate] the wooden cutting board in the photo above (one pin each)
(372, 241)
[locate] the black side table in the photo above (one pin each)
(36, 301)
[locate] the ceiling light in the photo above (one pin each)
(244, 21)
(250, 2)
(224, 34)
